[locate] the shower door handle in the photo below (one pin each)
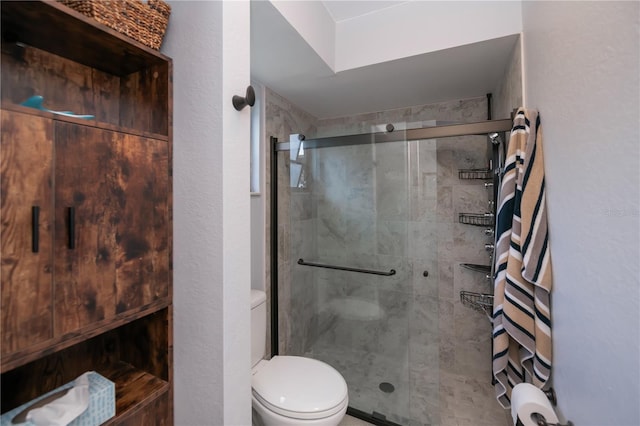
(347, 268)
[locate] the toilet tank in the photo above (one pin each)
(258, 325)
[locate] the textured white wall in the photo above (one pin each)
(236, 219)
(211, 213)
(582, 72)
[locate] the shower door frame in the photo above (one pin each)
(435, 132)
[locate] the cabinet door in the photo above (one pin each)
(142, 265)
(88, 204)
(117, 184)
(26, 179)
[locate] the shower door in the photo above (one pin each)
(359, 249)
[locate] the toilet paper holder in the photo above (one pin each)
(551, 396)
(539, 418)
(541, 421)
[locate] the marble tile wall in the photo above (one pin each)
(385, 206)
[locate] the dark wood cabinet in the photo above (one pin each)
(142, 260)
(116, 184)
(86, 216)
(26, 271)
(85, 212)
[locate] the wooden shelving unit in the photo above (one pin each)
(86, 215)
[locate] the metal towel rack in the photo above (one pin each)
(346, 268)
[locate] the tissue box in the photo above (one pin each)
(102, 403)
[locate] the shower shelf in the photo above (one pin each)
(484, 174)
(477, 219)
(486, 269)
(480, 302)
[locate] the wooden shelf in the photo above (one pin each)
(51, 26)
(134, 389)
(134, 356)
(91, 123)
(17, 359)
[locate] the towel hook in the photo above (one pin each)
(249, 99)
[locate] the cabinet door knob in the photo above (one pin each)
(35, 229)
(72, 228)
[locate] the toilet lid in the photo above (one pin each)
(298, 387)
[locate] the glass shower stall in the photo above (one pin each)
(361, 233)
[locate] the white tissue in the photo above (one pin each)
(527, 399)
(62, 411)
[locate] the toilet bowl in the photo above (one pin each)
(291, 390)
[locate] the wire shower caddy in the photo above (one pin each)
(480, 302)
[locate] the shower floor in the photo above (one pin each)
(459, 400)
(364, 372)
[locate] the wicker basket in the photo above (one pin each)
(143, 22)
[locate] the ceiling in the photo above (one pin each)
(284, 62)
(343, 10)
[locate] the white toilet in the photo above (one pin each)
(291, 390)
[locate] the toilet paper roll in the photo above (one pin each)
(526, 399)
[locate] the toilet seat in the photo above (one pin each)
(299, 388)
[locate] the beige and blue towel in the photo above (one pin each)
(522, 280)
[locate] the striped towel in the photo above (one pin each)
(522, 280)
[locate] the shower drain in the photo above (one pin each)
(386, 387)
